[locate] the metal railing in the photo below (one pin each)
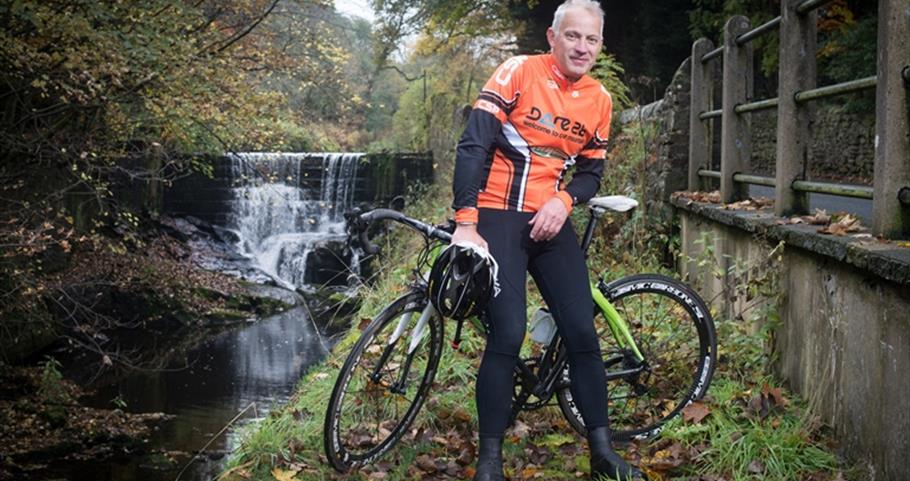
(797, 76)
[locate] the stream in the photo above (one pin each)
(246, 370)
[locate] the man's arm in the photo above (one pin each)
(471, 156)
(586, 179)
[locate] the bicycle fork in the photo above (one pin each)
(631, 358)
(400, 386)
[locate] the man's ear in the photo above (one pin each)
(551, 36)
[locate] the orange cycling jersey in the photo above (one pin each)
(529, 125)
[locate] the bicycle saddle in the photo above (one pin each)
(618, 203)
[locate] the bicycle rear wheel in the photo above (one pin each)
(675, 333)
(383, 383)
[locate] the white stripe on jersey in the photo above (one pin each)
(521, 145)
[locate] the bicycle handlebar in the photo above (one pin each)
(359, 223)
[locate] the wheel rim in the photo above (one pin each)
(667, 334)
(369, 415)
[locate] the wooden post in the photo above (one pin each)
(797, 72)
(892, 144)
(735, 140)
(701, 97)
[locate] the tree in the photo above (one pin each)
(98, 92)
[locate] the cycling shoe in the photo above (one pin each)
(489, 460)
(605, 463)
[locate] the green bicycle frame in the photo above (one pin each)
(617, 324)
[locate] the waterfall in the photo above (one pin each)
(286, 205)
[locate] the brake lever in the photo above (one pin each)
(363, 224)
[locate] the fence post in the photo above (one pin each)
(892, 145)
(796, 72)
(735, 140)
(700, 99)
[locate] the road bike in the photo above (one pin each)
(656, 335)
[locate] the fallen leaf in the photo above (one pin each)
(756, 467)
(775, 396)
(520, 430)
(462, 415)
(845, 224)
(465, 457)
(750, 204)
(529, 472)
(667, 459)
(697, 196)
(284, 475)
(425, 463)
(759, 406)
(695, 412)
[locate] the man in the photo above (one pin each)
(534, 118)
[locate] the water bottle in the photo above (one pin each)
(543, 327)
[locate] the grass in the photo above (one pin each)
(747, 428)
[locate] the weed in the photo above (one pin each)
(51, 388)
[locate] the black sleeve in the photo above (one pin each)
(471, 156)
(586, 179)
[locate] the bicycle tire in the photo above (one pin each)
(680, 355)
(366, 417)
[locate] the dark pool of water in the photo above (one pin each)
(259, 364)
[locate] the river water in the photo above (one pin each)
(278, 215)
(247, 370)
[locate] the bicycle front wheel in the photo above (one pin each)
(674, 332)
(383, 383)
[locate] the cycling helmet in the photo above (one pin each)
(461, 281)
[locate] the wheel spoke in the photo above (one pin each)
(642, 395)
(371, 414)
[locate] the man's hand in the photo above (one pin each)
(468, 233)
(548, 220)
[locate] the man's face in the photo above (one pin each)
(576, 44)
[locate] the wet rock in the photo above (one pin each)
(333, 310)
(328, 264)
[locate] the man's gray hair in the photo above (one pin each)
(589, 5)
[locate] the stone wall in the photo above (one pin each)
(843, 342)
(667, 169)
(842, 144)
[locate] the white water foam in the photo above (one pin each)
(279, 221)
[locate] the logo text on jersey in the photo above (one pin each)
(562, 123)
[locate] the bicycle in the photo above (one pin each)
(656, 334)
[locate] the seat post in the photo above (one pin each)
(594, 214)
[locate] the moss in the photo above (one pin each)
(383, 167)
(226, 316)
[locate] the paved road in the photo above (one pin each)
(862, 208)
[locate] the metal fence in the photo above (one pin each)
(890, 192)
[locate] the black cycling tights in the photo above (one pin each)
(558, 269)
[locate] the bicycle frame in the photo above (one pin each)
(544, 388)
(616, 323)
